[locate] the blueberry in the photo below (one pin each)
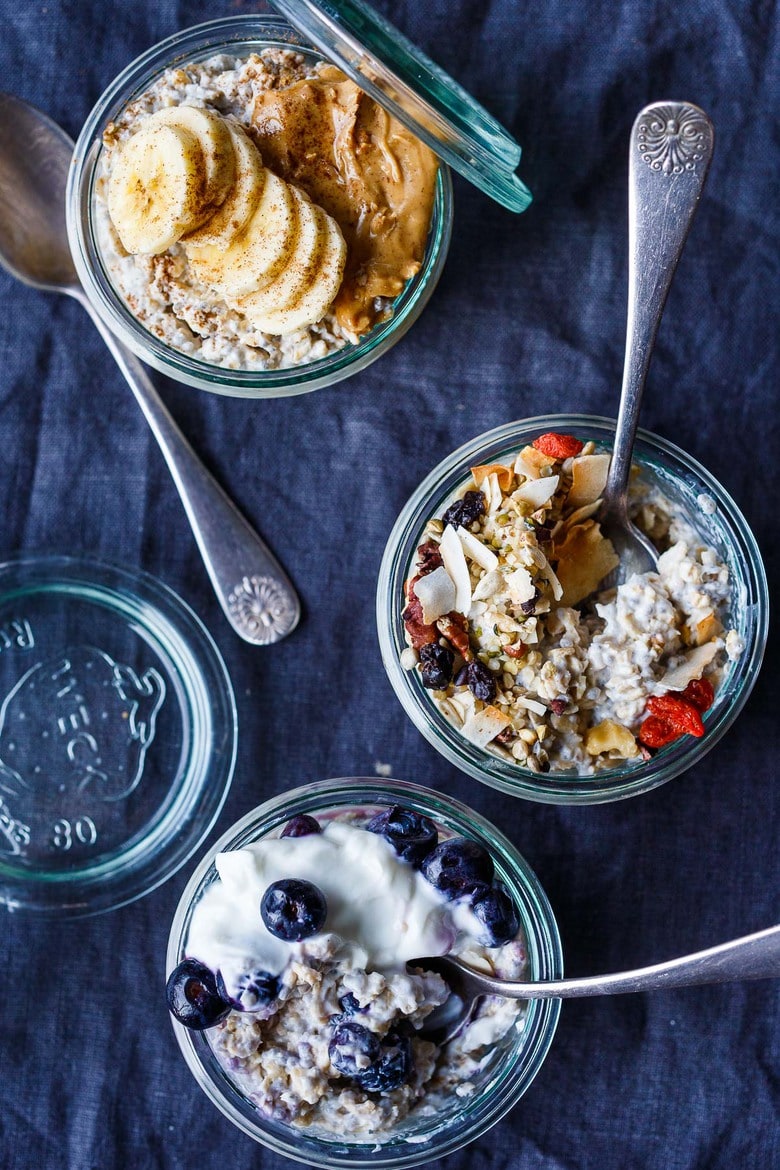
(412, 835)
(378, 1066)
(353, 1049)
(350, 1004)
(301, 826)
(458, 866)
(464, 512)
(393, 1069)
(482, 682)
(254, 989)
(497, 913)
(193, 996)
(293, 909)
(437, 662)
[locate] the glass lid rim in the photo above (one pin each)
(485, 153)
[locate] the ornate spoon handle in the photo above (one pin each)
(670, 153)
(251, 586)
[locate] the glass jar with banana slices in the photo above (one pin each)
(259, 217)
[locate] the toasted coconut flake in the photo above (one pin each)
(484, 725)
(584, 513)
(692, 667)
(495, 495)
(531, 463)
(520, 585)
(476, 550)
(585, 556)
(454, 560)
(538, 491)
(708, 628)
(611, 737)
(436, 593)
(547, 571)
(504, 474)
(487, 586)
(588, 477)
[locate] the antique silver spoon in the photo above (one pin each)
(669, 156)
(754, 956)
(251, 586)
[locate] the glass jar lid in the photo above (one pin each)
(117, 735)
(411, 87)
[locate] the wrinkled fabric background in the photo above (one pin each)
(529, 317)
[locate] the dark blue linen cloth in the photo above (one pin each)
(528, 318)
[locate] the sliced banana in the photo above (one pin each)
(261, 252)
(318, 297)
(302, 268)
(232, 216)
(216, 143)
(156, 188)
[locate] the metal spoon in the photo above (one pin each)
(754, 956)
(251, 586)
(669, 156)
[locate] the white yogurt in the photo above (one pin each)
(381, 911)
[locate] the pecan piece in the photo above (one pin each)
(455, 628)
(418, 632)
(428, 558)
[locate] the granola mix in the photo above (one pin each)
(522, 648)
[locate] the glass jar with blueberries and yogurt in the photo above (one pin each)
(298, 985)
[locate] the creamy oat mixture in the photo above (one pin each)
(162, 291)
(379, 161)
(516, 645)
(382, 912)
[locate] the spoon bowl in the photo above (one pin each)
(253, 590)
(753, 956)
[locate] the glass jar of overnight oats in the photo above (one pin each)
(169, 310)
(586, 669)
(476, 1079)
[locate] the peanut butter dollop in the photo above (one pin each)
(365, 169)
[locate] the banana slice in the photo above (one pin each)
(232, 216)
(302, 269)
(156, 188)
(318, 297)
(258, 254)
(216, 144)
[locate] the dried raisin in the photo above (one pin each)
(482, 682)
(558, 446)
(437, 662)
(464, 512)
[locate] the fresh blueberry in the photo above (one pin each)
(393, 1069)
(353, 1049)
(497, 913)
(482, 682)
(412, 835)
(193, 996)
(458, 866)
(254, 989)
(293, 909)
(464, 512)
(350, 1004)
(437, 662)
(301, 826)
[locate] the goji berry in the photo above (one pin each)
(518, 650)
(656, 733)
(558, 446)
(699, 693)
(676, 711)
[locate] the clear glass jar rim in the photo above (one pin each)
(617, 784)
(545, 946)
(199, 40)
